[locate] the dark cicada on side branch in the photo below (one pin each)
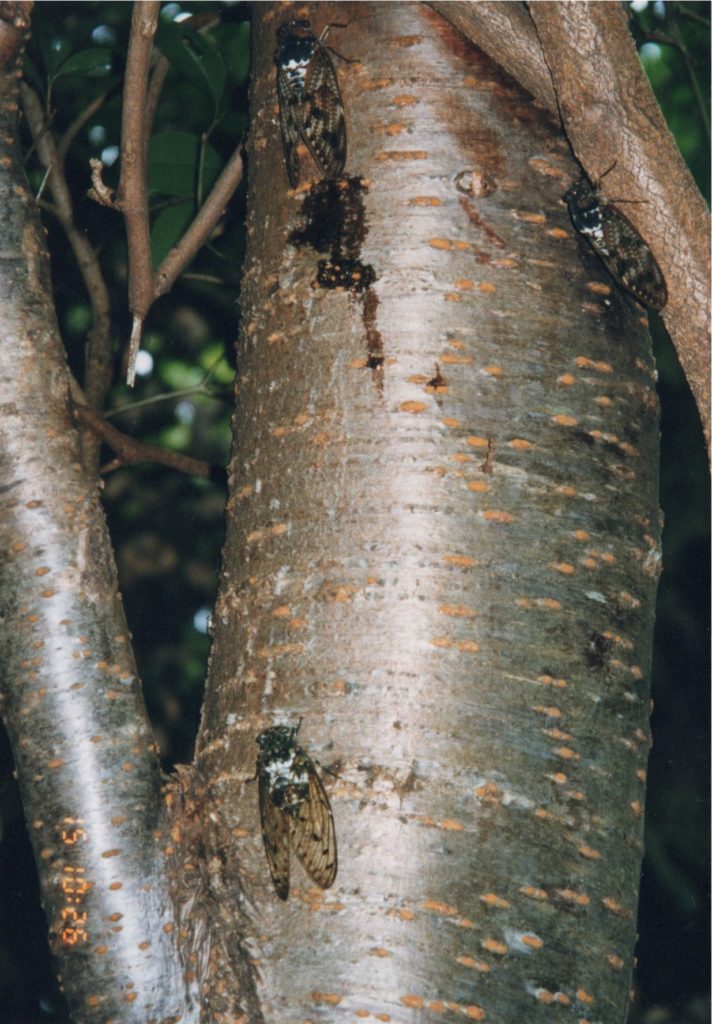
(294, 810)
(310, 107)
(614, 239)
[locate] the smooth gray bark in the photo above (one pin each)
(84, 754)
(442, 552)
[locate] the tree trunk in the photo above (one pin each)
(442, 551)
(71, 702)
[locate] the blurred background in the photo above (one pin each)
(167, 527)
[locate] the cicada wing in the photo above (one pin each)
(630, 260)
(289, 123)
(275, 835)
(322, 121)
(313, 835)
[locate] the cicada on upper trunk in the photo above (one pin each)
(614, 239)
(294, 810)
(310, 106)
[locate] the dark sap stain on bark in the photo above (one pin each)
(334, 222)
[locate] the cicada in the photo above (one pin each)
(294, 810)
(614, 239)
(310, 106)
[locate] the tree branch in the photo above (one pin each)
(78, 123)
(506, 33)
(100, 191)
(153, 95)
(610, 113)
(97, 374)
(71, 703)
(205, 220)
(161, 67)
(132, 194)
(139, 106)
(129, 450)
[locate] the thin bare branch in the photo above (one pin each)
(219, 395)
(100, 192)
(133, 187)
(77, 124)
(675, 40)
(43, 183)
(139, 105)
(679, 42)
(97, 373)
(161, 68)
(129, 450)
(691, 15)
(134, 346)
(206, 219)
(47, 124)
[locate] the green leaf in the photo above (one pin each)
(78, 318)
(173, 164)
(94, 63)
(176, 437)
(168, 229)
(55, 53)
(236, 50)
(233, 124)
(177, 375)
(212, 359)
(194, 56)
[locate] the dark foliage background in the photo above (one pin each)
(168, 528)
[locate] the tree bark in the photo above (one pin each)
(71, 702)
(442, 551)
(610, 111)
(579, 61)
